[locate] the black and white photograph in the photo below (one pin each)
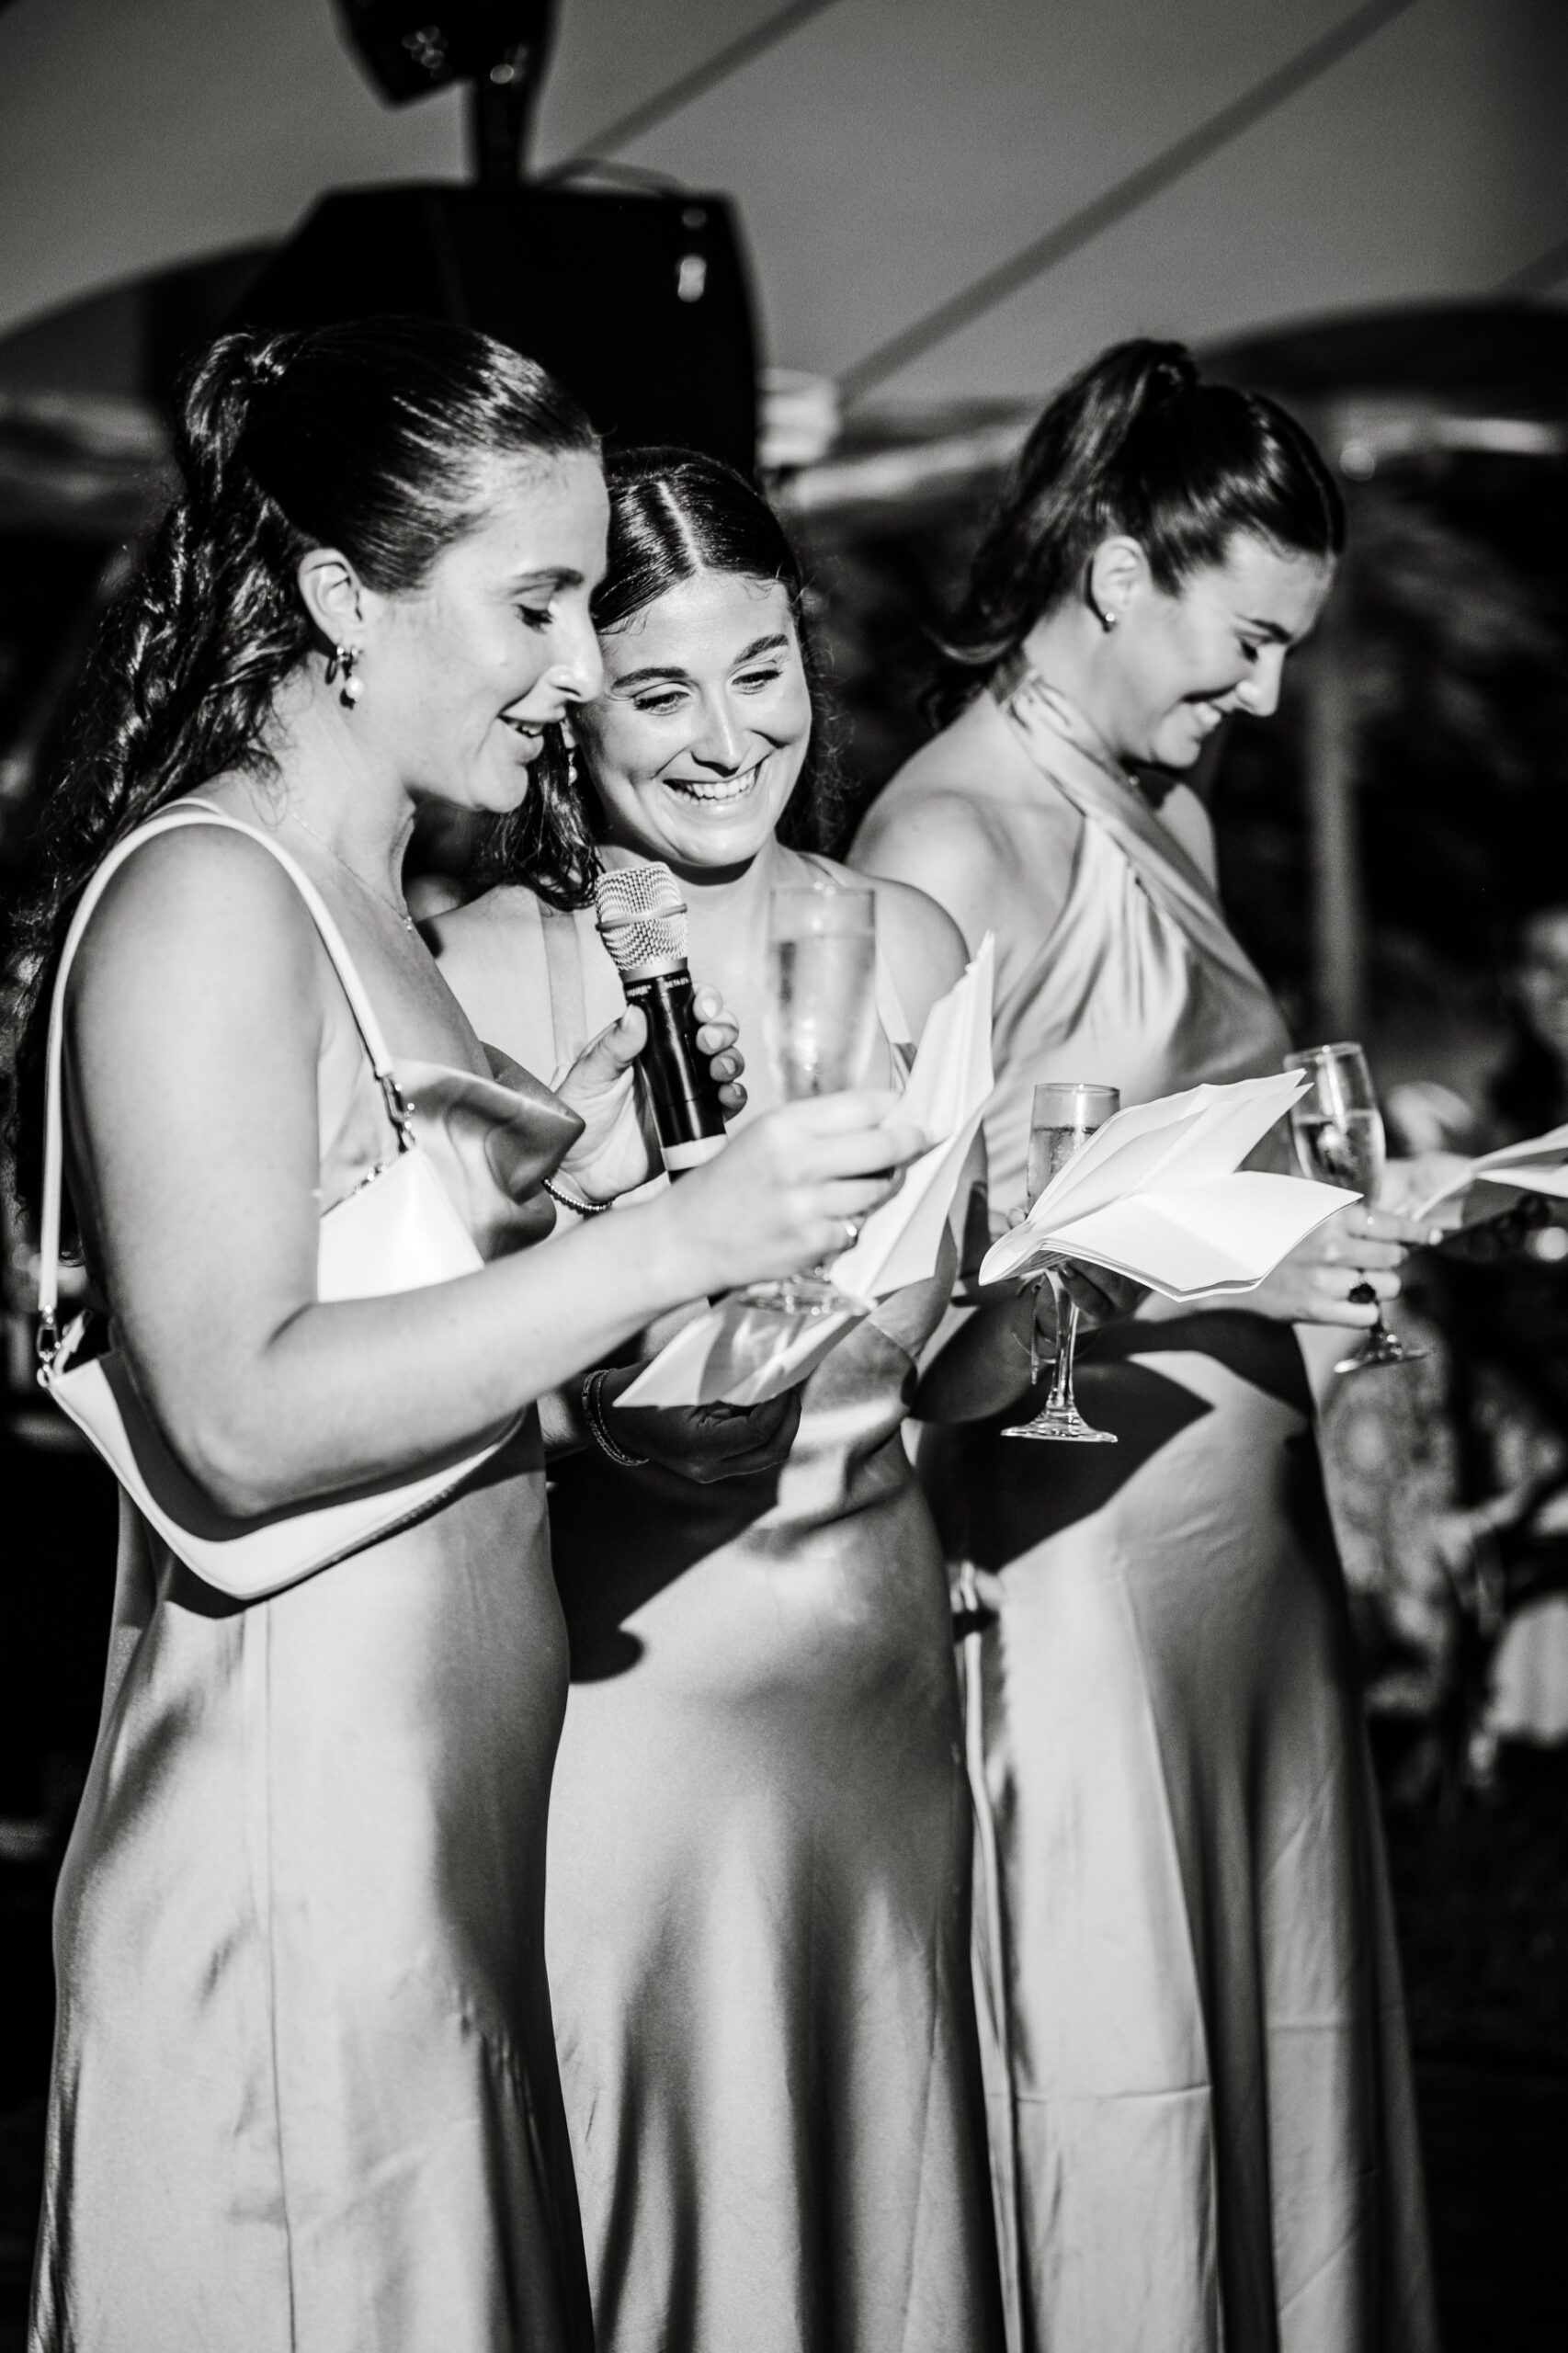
(783, 1176)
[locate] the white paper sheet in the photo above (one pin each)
(949, 1089)
(1222, 1235)
(1539, 1164)
(1157, 1195)
(742, 1355)
(739, 1354)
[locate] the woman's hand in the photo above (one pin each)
(1316, 1283)
(704, 1443)
(788, 1191)
(617, 1149)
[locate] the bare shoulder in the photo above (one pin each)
(202, 916)
(492, 958)
(944, 843)
(491, 925)
(926, 950)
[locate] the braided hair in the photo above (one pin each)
(376, 436)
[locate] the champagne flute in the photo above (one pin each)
(1065, 1115)
(820, 1023)
(1339, 1134)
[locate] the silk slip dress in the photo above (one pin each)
(759, 1857)
(1199, 2088)
(304, 2095)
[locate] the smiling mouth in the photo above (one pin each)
(716, 791)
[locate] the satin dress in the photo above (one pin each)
(304, 2094)
(759, 1857)
(1198, 2088)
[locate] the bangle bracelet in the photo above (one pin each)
(569, 1200)
(594, 1415)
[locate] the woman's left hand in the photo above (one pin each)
(704, 1443)
(616, 1150)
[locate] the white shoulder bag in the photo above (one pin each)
(397, 1232)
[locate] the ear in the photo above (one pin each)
(1119, 570)
(332, 594)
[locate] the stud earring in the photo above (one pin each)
(341, 665)
(1106, 620)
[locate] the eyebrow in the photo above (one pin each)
(554, 575)
(770, 644)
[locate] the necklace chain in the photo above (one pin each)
(394, 906)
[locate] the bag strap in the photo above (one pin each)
(169, 820)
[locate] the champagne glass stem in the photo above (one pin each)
(1037, 1364)
(1062, 1399)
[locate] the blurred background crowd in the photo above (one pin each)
(900, 222)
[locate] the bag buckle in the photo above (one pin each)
(400, 1110)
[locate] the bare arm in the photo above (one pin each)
(196, 1019)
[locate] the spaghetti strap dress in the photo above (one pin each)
(1199, 2088)
(304, 2095)
(759, 1857)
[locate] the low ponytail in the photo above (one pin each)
(1137, 442)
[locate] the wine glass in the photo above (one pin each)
(1339, 1132)
(820, 1023)
(1065, 1115)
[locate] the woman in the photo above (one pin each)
(759, 1847)
(304, 2086)
(1201, 2110)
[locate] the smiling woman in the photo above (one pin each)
(304, 2086)
(759, 1844)
(1199, 2095)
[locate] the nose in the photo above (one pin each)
(1259, 690)
(721, 746)
(579, 672)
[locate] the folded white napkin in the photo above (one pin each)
(1158, 1194)
(744, 1355)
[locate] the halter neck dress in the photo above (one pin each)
(1198, 2090)
(305, 2093)
(759, 1857)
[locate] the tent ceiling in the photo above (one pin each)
(886, 154)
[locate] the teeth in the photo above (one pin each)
(717, 790)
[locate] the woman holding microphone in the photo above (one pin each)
(304, 2088)
(1198, 2088)
(757, 1925)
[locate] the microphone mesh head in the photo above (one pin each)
(642, 919)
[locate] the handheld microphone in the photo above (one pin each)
(642, 920)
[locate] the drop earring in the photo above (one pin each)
(341, 665)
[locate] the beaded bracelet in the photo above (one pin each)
(570, 1201)
(594, 1415)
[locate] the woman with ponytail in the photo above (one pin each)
(1202, 2132)
(304, 2089)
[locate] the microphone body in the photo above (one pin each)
(642, 920)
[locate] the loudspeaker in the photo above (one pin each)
(639, 304)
